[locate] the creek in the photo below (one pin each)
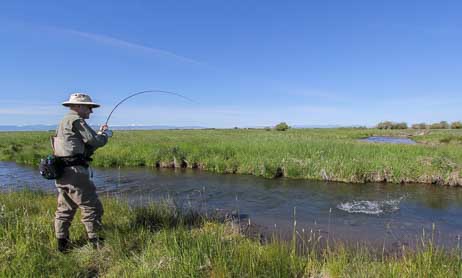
(390, 214)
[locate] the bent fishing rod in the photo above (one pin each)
(146, 92)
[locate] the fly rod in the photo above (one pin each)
(146, 92)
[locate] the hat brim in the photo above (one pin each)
(92, 104)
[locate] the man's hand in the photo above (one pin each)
(103, 128)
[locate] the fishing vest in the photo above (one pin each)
(67, 142)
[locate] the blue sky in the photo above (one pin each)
(246, 63)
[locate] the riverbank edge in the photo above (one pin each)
(452, 180)
(320, 155)
(159, 240)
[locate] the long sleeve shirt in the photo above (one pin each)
(75, 137)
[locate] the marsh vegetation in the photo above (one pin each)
(318, 154)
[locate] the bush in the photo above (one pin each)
(402, 125)
(282, 126)
(384, 125)
(456, 125)
(391, 125)
(440, 125)
(420, 126)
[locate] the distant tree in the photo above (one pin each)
(281, 126)
(440, 125)
(402, 125)
(444, 125)
(420, 126)
(391, 125)
(267, 128)
(435, 126)
(384, 125)
(456, 125)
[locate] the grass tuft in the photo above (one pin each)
(162, 241)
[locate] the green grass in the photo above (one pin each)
(161, 241)
(319, 154)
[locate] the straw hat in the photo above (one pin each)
(80, 99)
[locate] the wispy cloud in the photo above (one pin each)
(423, 100)
(31, 110)
(227, 116)
(115, 42)
(21, 102)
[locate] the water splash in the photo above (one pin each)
(371, 207)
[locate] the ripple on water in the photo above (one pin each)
(371, 207)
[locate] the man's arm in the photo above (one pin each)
(89, 136)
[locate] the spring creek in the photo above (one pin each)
(376, 214)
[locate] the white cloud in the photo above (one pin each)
(226, 116)
(422, 101)
(12, 112)
(31, 110)
(115, 42)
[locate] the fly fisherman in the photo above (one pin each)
(74, 143)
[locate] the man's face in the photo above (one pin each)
(84, 111)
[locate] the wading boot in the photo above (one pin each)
(63, 245)
(97, 242)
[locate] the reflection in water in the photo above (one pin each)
(270, 202)
(435, 199)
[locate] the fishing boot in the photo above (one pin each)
(63, 245)
(97, 242)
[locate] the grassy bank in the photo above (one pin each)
(160, 241)
(320, 154)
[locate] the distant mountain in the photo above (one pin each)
(122, 127)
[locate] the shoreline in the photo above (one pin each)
(453, 181)
(323, 155)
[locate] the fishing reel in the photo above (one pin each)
(107, 133)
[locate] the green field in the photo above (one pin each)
(161, 241)
(319, 154)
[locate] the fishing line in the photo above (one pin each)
(145, 92)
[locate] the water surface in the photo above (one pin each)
(390, 140)
(376, 213)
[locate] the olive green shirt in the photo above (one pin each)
(75, 137)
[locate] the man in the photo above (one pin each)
(74, 143)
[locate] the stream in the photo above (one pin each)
(390, 214)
